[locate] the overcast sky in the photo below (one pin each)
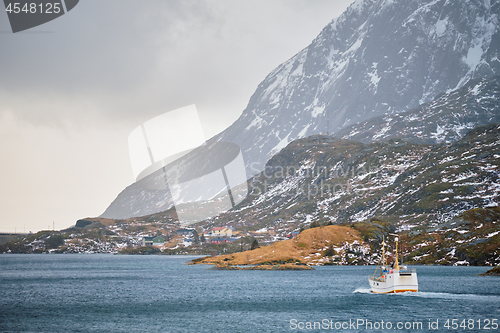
(73, 89)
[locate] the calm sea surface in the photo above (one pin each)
(112, 293)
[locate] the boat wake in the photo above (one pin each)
(425, 294)
(362, 291)
(452, 296)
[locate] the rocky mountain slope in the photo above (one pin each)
(447, 118)
(472, 238)
(379, 57)
(321, 179)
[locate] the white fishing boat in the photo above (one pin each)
(393, 278)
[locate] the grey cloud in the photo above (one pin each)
(136, 59)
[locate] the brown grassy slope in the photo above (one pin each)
(307, 244)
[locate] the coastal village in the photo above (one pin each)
(100, 235)
(186, 237)
(178, 239)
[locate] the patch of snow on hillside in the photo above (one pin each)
(374, 78)
(492, 234)
(282, 144)
(337, 68)
(257, 121)
(298, 70)
(475, 53)
(462, 128)
(440, 27)
(356, 45)
(382, 132)
(304, 131)
(459, 177)
(447, 159)
(438, 135)
(476, 90)
(317, 110)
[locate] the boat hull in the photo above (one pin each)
(395, 282)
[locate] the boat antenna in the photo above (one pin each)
(396, 265)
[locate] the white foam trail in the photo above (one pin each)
(435, 295)
(362, 291)
(452, 296)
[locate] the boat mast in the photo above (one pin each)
(383, 251)
(396, 265)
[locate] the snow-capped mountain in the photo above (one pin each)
(379, 57)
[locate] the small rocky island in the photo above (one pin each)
(316, 246)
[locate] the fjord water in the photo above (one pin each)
(113, 293)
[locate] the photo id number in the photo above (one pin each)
(33, 8)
